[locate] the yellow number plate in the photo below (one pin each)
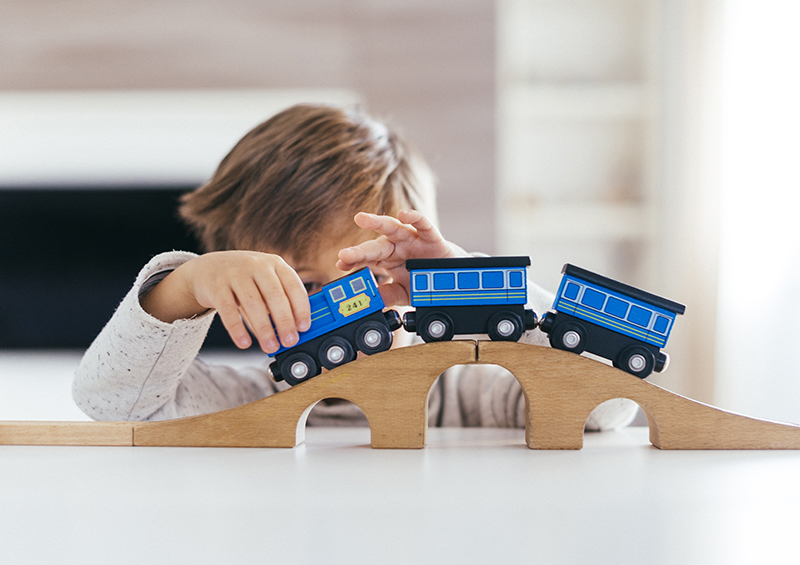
(353, 305)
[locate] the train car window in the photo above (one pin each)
(593, 299)
(515, 279)
(661, 325)
(421, 282)
(358, 285)
(639, 316)
(616, 307)
(492, 279)
(337, 294)
(571, 292)
(469, 281)
(444, 281)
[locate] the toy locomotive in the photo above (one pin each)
(346, 316)
(482, 295)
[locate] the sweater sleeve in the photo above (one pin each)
(490, 396)
(140, 368)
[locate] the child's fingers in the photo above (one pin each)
(292, 285)
(430, 235)
(228, 312)
(426, 231)
(254, 309)
(369, 252)
(392, 228)
(278, 311)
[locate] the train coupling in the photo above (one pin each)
(393, 320)
(410, 321)
(531, 322)
(546, 323)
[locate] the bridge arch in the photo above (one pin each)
(612, 414)
(391, 388)
(561, 390)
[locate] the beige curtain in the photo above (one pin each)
(689, 207)
(759, 276)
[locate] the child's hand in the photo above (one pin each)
(409, 236)
(241, 286)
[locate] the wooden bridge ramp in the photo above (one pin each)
(561, 389)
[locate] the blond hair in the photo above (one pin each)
(300, 177)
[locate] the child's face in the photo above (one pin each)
(319, 270)
(322, 269)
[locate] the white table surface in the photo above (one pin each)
(471, 496)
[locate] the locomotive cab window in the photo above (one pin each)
(337, 294)
(358, 285)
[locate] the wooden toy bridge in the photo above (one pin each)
(561, 389)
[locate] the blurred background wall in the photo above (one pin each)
(149, 96)
(428, 66)
(582, 131)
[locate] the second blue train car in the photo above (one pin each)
(613, 320)
(469, 295)
(346, 317)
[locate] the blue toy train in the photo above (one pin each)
(346, 317)
(613, 320)
(482, 295)
(473, 295)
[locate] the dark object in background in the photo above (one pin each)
(69, 255)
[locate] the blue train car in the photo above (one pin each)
(346, 317)
(470, 295)
(613, 320)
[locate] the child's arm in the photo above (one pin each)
(239, 285)
(141, 368)
(411, 235)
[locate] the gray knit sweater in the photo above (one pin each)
(141, 369)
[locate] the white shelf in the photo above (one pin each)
(69, 138)
(567, 40)
(578, 133)
(585, 101)
(597, 221)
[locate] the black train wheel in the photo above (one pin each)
(373, 337)
(569, 337)
(505, 326)
(436, 327)
(637, 361)
(298, 367)
(335, 351)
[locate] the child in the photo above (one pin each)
(276, 220)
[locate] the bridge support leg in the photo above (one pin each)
(405, 428)
(556, 402)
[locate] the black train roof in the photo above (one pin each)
(623, 288)
(468, 263)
